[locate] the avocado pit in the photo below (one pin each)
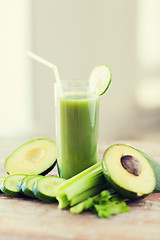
(35, 154)
(131, 164)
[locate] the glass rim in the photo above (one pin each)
(75, 86)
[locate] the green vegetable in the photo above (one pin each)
(103, 204)
(82, 186)
(9, 185)
(28, 185)
(100, 79)
(1, 181)
(44, 188)
(19, 185)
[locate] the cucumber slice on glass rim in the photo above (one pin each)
(100, 79)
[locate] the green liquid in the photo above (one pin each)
(77, 133)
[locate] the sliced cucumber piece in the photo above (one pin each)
(44, 188)
(21, 182)
(28, 185)
(1, 181)
(100, 79)
(37, 156)
(9, 185)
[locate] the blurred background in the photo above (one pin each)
(76, 36)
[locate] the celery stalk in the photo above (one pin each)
(63, 201)
(104, 205)
(87, 182)
(78, 176)
(78, 188)
(89, 193)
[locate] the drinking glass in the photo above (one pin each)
(77, 116)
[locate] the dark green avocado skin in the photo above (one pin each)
(46, 171)
(156, 167)
(121, 191)
(49, 169)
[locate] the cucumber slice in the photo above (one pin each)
(44, 188)
(28, 185)
(21, 182)
(9, 185)
(37, 156)
(100, 79)
(1, 181)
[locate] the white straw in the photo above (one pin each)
(50, 65)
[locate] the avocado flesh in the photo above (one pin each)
(37, 156)
(124, 182)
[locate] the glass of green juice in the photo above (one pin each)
(77, 116)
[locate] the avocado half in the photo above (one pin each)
(128, 171)
(37, 156)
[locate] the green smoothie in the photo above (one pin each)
(77, 133)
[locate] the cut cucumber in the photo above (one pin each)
(1, 181)
(100, 79)
(28, 185)
(21, 182)
(44, 188)
(9, 185)
(37, 156)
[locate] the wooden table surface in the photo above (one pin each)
(24, 218)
